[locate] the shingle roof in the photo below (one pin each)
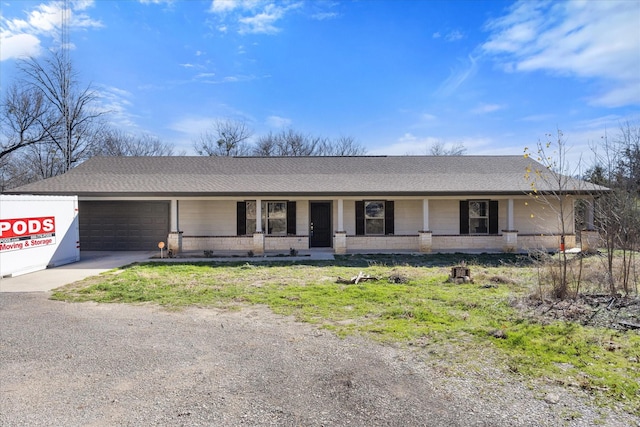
(241, 176)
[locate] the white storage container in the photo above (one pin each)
(37, 232)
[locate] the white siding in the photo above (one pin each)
(302, 218)
(408, 216)
(535, 217)
(349, 216)
(207, 217)
(444, 216)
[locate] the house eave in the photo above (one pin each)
(263, 194)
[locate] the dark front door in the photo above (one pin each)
(320, 226)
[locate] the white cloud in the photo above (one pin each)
(192, 126)
(451, 36)
(278, 122)
(486, 108)
(538, 118)
(221, 6)
(252, 16)
(409, 144)
(322, 16)
(19, 45)
(454, 35)
(117, 103)
(586, 39)
(169, 2)
(458, 76)
(23, 37)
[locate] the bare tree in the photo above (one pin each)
(293, 143)
(13, 173)
(439, 149)
(114, 142)
(56, 81)
(37, 162)
(550, 181)
(265, 146)
(225, 138)
(619, 217)
(628, 141)
(286, 143)
(343, 146)
(24, 119)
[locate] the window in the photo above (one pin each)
(278, 217)
(374, 217)
(479, 217)
(274, 218)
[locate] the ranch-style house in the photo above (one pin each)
(345, 204)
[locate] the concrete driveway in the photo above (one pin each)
(90, 264)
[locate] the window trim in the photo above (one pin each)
(485, 217)
(368, 219)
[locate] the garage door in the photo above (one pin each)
(123, 226)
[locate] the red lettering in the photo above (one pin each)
(20, 227)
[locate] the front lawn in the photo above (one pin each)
(410, 302)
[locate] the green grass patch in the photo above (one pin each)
(424, 308)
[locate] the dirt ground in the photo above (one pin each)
(111, 364)
(595, 310)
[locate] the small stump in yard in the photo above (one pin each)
(460, 274)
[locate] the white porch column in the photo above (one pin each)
(174, 240)
(340, 236)
(258, 234)
(174, 216)
(590, 237)
(425, 241)
(258, 216)
(510, 225)
(510, 235)
(590, 214)
(425, 215)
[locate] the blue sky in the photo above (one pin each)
(398, 76)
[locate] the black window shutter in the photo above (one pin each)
(493, 217)
(359, 217)
(464, 217)
(291, 218)
(389, 225)
(241, 219)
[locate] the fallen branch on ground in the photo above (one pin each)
(356, 279)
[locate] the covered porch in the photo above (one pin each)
(418, 225)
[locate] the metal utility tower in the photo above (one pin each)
(66, 81)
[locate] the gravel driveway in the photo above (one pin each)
(87, 364)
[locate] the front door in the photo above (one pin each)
(320, 225)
